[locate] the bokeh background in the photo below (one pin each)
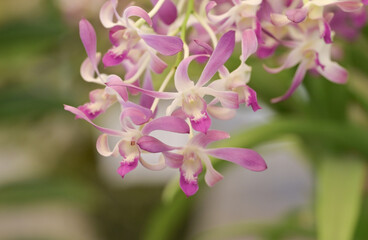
(54, 186)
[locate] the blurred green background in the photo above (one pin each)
(53, 186)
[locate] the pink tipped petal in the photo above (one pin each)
(107, 13)
(88, 36)
(252, 99)
(157, 65)
(153, 145)
(203, 140)
(202, 124)
(137, 116)
(298, 78)
(79, 114)
(246, 158)
(249, 43)
(350, 6)
(168, 12)
(134, 11)
(103, 148)
(182, 80)
(188, 187)
(126, 167)
(146, 101)
(220, 55)
(334, 72)
(173, 160)
(297, 15)
(116, 83)
(166, 45)
(220, 112)
(168, 123)
(87, 70)
(112, 59)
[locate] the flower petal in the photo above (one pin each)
(228, 99)
(153, 145)
(136, 114)
(203, 140)
(173, 160)
(134, 11)
(166, 45)
(168, 12)
(87, 71)
(146, 101)
(114, 37)
(251, 99)
(297, 15)
(249, 43)
(79, 114)
(221, 112)
(107, 14)
(88, 36)
(112, 59)
(188, 187)
(212, 176)
(168, 123)
(121, 90)
(298, 78)
(334, 72)
(103, 148)
(220, 55)
(157, 65)
(201, 124)
(246, 158)
(182, 80)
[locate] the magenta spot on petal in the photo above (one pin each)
(126, 167)
(111, 59)
(86, 110)
(202, 124)
(252, 100)
(188, 187)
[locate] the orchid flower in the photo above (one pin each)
(130, 137)
(189, 96)
(310, 52)
(135, 43)
(189, 160)
(238, 79)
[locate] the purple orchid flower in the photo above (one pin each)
(189, 96)
(133, 43)
(189, 160)
(130, 138)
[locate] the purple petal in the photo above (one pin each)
(137, 116)
(112, 59)
(107, 14)
(115, 40)
(168, 12)
(166, 45)
(298, 78)
(79, 114)
(119, 89)
(146, 101)
(228, 99)
(168, 123)
(220, 55)
(202, 124)
(188, 187)
(334, 72)
(157, 65)
(153, 145)
(246, 158)
(350, 6)
(88, 36)
(265, 51)
(297, 15)
(327, 32)
(203, 140)
(116, 83)
(212, 176)
(173, 160)
(252, 99)
(126, 167)
(134, 11)
(249, 43)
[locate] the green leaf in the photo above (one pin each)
(339, 193)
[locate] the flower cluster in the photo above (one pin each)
(205, 32)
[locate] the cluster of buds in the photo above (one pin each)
(206, 32)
